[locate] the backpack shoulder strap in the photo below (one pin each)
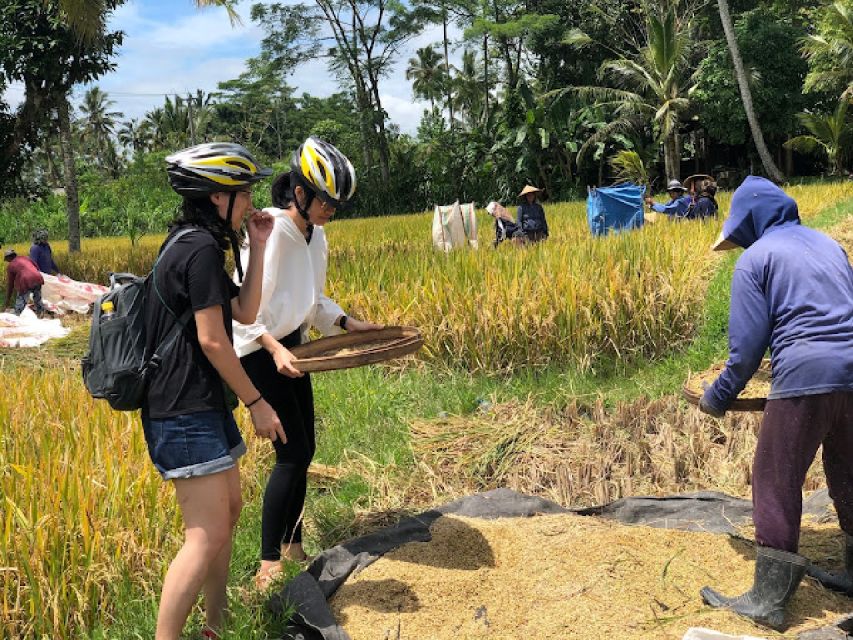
(182, 321)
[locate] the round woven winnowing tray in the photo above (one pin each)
(356, 349)
(752, 398)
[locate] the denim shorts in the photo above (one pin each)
(193, 444)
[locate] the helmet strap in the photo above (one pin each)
(232, 236)
(303, 210)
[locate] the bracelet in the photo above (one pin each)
(255, 401)
(343, 323)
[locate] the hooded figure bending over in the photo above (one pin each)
(792, 291)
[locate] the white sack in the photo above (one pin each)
(454, 225)
(61, 294)
(27, 330)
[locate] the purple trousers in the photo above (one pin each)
(791, 432)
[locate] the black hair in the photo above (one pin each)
(283, 194)
(201, 212)
(282, 191)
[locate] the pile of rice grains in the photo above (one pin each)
(567, 576)
(757, 387)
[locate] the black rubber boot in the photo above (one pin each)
(843, 581)
(777, 576)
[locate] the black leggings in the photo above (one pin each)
(293, 401)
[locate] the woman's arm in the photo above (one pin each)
(281, 355)
(210, 327)
(244, 308)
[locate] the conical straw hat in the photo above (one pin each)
(529, 189)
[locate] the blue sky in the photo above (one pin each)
(172, 47)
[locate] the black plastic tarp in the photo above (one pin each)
(709, 511)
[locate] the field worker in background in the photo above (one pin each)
(679, 204)
(704, 205)
(191, 435)
(24, 279)
(792, 291)
(505, 227)
(531, 216)
(42, 254)
(321, 180)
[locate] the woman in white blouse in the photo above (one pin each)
(293, 300)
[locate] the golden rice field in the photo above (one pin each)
(81, 506)
(572, 301)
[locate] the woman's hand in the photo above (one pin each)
(283, 362)
(354, 324)
(259, 226)
(267, 424)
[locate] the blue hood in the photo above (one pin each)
(758, 206)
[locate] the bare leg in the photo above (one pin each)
(204, 503)
(215, 598)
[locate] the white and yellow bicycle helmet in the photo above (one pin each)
(325, 170)
(213, 167)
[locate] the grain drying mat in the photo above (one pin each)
(464, 571)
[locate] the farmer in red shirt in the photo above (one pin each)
(23, 277)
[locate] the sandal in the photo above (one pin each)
(209, 634)
(263, 581)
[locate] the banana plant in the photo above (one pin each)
(831, 134)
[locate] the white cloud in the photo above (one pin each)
(172, 48)
(404, 112)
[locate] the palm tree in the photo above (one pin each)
(468, 89)
(746, 95)
(831, 50)
(200, 113)
(831, 134)
(134, 136)
(427, 75)
(651, 85)
(98, 121)
(88, 17)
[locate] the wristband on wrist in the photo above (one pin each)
(343, 323)
(255, 401)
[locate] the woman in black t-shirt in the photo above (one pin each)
(191, 435)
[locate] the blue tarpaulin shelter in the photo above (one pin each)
(615, 208)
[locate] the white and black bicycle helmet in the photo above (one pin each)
(213, 167)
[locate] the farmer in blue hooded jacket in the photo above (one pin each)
(679, 204)
(792, 291)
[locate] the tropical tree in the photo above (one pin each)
(830, 51)
(830, 134)
(88, 17)
(468, 88)
(98, 122)
(629, 166)
(134, 136)
(651, 84)
(48, 59)
(427, 75)
(746, 94)
(768, 45)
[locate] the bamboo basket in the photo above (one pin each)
(752, 398)
(356, 349)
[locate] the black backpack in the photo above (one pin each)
(117, 367)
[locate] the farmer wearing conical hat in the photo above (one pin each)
(679, 204)
(792, 291)
(531, 216)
